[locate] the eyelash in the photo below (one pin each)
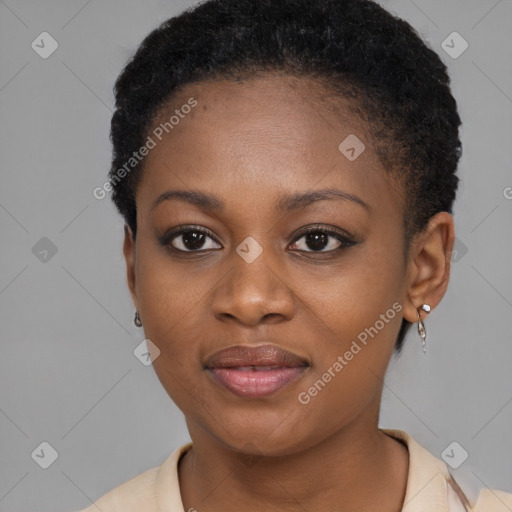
(346, 241)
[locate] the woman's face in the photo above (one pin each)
(247, 274)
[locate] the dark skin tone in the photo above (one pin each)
(251, 144)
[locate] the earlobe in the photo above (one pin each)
(129, 256)
(429, 265)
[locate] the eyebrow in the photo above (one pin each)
(210, 202)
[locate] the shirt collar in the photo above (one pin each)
(426, 489)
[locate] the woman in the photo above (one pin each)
(286, 173)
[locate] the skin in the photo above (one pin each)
(251, 143)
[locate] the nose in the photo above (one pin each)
(253, 293)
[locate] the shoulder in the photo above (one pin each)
(430, 480)
(492, 500)
(131, 496)
(146, 491)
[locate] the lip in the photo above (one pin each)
(255, 371)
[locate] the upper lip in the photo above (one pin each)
(260, 355)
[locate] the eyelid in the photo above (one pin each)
(193, 227)
(325, 228)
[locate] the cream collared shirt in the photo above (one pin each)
(428, 488)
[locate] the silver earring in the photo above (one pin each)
(421, 327)
(137, 321)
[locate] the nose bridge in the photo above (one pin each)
(254, 263)
(254, 286)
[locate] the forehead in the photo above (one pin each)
(259, 139)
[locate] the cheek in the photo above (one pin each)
(166, 289)
(344, 300)
(170, 296)
(354, 320)
(170, 299)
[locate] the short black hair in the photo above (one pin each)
(400, 86)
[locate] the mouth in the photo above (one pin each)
(255, 371)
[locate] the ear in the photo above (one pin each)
(429, 265)
(129, 256)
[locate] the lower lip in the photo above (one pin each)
(255, 383)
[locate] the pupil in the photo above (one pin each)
(316, 241)
(193, 239)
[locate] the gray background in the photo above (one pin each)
(68, 375)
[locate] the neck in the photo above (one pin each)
(353, 469)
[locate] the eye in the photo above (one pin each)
(190, 239)
(196, 239)
(321, 239)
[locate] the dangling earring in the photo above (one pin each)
(137, 321)
(421, 327)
